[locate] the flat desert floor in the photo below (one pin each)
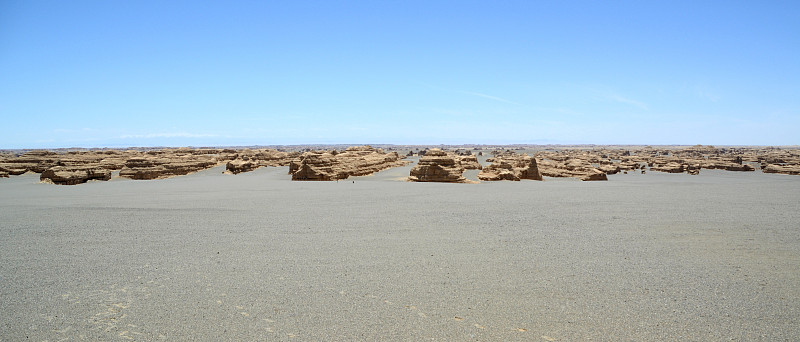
(255, 256)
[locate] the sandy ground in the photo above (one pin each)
(255, 256)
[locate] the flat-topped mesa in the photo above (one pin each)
(331, 166)
(72, 175)
(511, 167)
(249, 160)
(437, 166)
(147, 167)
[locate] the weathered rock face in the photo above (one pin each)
(330, 166)
(670, 167)
(71, 175)
(248, 160)
(14, 169)
(610, 169)
(582, 163)
(470, 162)
(34, 161)
(511, 167)
(144, 168)
(784, 169)
(438, 166)
(575, 166)
(594, 176)
(239, 166)
(317, 166)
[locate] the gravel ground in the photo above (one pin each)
(255, 256)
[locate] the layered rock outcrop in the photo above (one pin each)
(581, 167)
(784, 169)
(145, 168)
(238, 166)
(582, 163)
(71, 175)
(469, 162)
(511, 167)
(354, 161)
(438, 166)
(249, 160)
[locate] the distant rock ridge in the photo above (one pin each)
(69, 167)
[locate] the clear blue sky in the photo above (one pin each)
(179, 73)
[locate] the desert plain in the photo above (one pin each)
(256, 256)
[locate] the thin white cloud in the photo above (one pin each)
(70, 130)
(490, 97)
(485, 96)
(705, 93)
(166, 135)
(620, 99)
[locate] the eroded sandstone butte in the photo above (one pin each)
(71, 175)
(438, 166)
(158, 167)
(249, 160)
(333, 165)
(581, 166)
(510, 166)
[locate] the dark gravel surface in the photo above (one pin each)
(255, 256)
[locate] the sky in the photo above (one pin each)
(233, 73)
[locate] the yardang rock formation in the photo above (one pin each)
(510, 166)
(438, 166)
(331, 166)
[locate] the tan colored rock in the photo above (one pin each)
(145, 167)
(71, 175)
(610, 169)
(511, 167)
(437, 166)
(738, 167)
(783, 169)
(316, 166)
(15, 169)
(670, 167)
(239, 166)
(470, 162)
(555, 165)
(354, 161)
(249, 160)
(594, 176)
